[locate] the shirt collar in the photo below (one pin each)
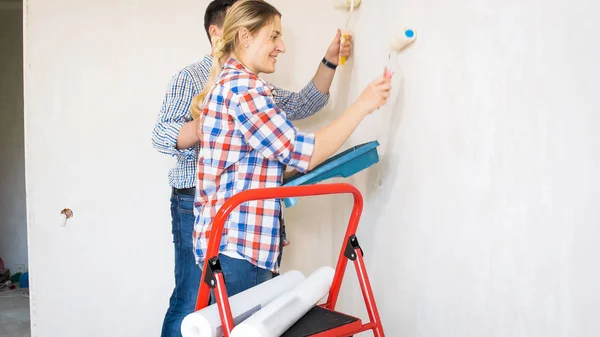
(232, 63)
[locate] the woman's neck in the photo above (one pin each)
(242, 59)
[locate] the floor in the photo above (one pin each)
(14, 313)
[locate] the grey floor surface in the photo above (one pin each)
(14, 313)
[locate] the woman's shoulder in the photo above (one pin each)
(239, 81)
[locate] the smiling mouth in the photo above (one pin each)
(274, 58)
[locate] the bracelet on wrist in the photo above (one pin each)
(329, 64)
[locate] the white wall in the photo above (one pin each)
(95, 75)
(486, 221)
(480, 218)
(13, 222)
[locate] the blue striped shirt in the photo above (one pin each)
(175, 112)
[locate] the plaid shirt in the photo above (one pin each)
(246, 142)
(175, 112)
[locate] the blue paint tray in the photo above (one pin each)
(343, 165)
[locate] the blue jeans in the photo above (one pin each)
(240, 275)
(187, 273)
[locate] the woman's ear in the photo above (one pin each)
(244, 36)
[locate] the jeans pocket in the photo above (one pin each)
(185, 204)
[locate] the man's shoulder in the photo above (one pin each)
(197, 71)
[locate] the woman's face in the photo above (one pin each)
(264, 47)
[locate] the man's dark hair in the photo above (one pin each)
(215, 14)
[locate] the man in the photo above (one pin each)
(175, 134)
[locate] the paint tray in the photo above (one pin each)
(343, 164)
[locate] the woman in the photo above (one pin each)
(247, 142)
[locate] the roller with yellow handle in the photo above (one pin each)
(343, 58)
(351, 4)
(345, 4)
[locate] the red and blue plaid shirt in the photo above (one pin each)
(246, 143)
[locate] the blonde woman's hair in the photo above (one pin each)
(249, 14)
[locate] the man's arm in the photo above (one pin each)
(174, 132)
(324, 76)
(188, 135)
(289, 174)
(303, 104)
(315, 95)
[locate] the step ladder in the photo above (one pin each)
(322, 320)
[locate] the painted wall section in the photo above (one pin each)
(480, 219)
(13, 222)
(482, 216)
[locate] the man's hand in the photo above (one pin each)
(198, 126)
(337, 49)
(189, 134)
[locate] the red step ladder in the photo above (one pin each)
(321, 320)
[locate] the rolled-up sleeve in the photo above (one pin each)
(175, 112)
(267, 130)
(303, 104)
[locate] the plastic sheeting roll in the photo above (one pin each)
(279, 315)
(207, 322)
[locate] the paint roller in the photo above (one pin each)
(345, 4)
(402, 41)
(351, 5)
(398, 44)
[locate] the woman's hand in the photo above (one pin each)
(375, 95)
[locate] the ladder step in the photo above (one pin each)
(319, 320)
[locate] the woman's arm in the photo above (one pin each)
(267, 130)
(330, 138)
(289, 174)
(315, 95)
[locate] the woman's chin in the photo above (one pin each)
(269, 70)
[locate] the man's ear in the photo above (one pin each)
(214, 32)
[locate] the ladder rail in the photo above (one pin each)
(282, 192)
(271, 193)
